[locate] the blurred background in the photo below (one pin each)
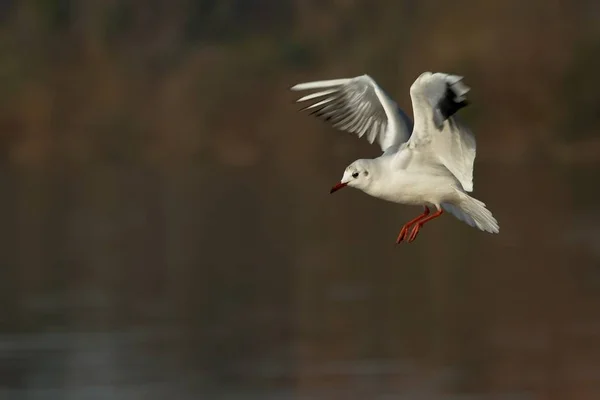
(167, 230)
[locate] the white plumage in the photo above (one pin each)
(428, 162)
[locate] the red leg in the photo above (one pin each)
(407, 225)
(417, 227)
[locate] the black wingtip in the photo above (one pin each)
(448, 106)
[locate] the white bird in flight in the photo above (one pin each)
(428, 163)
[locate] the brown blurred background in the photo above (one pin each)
(167, 231)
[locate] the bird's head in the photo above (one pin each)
(357, 175)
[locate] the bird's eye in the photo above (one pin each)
(355, 175)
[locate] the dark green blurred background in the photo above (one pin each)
(167, 230)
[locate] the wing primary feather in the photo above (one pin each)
(316, 105)
(341, 113)
(321, 84)
(357, 105)
(366, 127)
(334, 108)
(315, 95)
(363, 127)
(353, 120)
(362, 117)
(448, 105)
(376, 130)
(340, 123)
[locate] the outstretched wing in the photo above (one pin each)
(358, 105)
(436, 97)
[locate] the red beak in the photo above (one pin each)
(337, 187)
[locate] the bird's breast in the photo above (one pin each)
(412, 189)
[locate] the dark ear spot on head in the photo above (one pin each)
(366, 173)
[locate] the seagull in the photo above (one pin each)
(428, 162)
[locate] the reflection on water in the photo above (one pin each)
(141, 364)
(178, 360)
(162, 305)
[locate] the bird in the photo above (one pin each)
(426, 161)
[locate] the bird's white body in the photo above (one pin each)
(414, 189)
(427, 163)
(405, 186)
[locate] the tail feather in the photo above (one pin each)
(473, 212)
